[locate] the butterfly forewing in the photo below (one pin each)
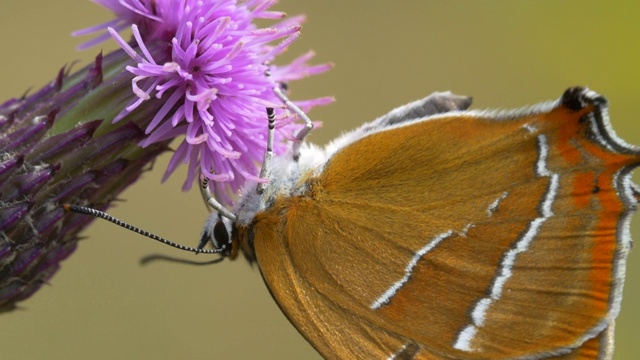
(473, 213)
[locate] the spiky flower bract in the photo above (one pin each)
(55, 147)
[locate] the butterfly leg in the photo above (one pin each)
(436, 103)
(308, 124)
(269, 153)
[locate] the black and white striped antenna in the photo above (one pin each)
(103, 215)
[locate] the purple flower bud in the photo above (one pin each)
(55, 148)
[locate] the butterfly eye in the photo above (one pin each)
(221, 239)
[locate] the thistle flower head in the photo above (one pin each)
(208, 63)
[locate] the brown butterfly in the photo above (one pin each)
(440, 233)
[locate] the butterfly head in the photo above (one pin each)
(217, 231)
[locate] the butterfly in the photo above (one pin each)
(437, 232)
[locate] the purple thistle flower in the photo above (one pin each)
(208, 63)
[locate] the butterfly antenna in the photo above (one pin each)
(102, 215)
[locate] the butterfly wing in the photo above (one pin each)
(467, 235)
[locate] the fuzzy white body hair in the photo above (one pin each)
(284, 176)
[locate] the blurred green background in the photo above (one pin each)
(103, 305)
